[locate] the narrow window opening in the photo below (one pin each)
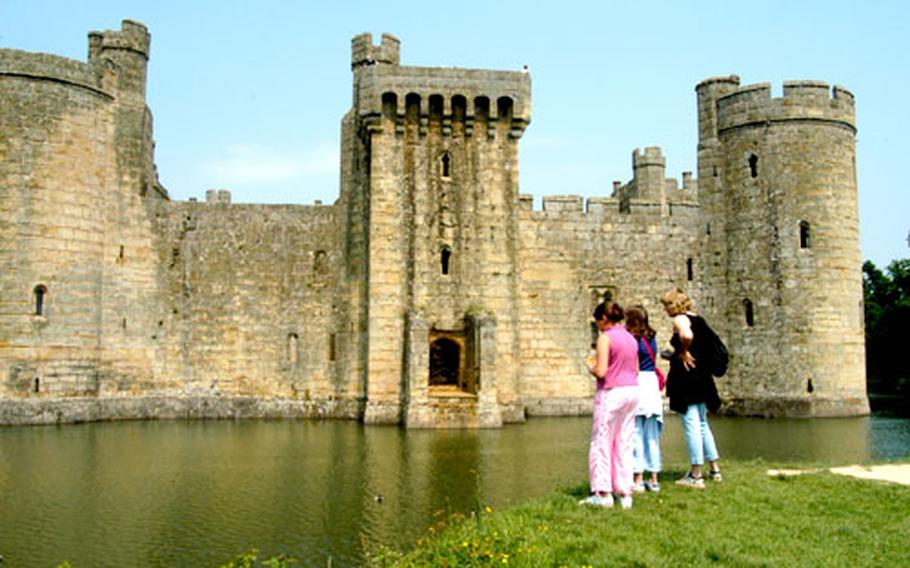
(292, 349)
(750, 312)
(714, 168)
(40, 295)
(689, 271)
(37, 384)
(331, 347)
(446, 255)
(319, 262)
(123, 323)
(708, 229)
(753, 165)
(446, 165)
(804, 234)
(121, 252)
(810, 388)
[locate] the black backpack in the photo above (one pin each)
(719, 358)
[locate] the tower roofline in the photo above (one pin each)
(802, 100)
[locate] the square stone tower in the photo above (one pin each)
(430, 190)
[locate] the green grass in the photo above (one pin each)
(750, 519)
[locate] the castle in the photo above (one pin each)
(431, 293)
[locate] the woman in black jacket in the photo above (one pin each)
(690, 385)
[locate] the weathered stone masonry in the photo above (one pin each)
(431, 293)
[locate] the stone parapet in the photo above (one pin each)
(753, 105)
(380, 81)
(45, 67)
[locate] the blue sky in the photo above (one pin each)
(248, 96)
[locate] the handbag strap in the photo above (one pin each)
(650, 353)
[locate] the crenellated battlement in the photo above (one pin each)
(645, 194)
(97, 73)
(132, 36)
(577, 206)
(364, 53)
(218, 196)
(651, 156)
(467, 94)
(43, 66)
(801, 100)
(574, 206)
(649, 182)
(718, 82)
(392, 91)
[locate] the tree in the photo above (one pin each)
(887, 301)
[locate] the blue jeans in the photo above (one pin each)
(646, 451)
(699, 439)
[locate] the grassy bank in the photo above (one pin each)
(750, 519)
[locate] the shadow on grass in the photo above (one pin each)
(583, 490)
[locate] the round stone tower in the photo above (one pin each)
(711, 197)
(77, 267)
(55, 119)
(783, 218)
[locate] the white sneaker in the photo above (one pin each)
(689, 481)
(595, 500)
(625, 501)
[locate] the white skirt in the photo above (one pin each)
(649, 400)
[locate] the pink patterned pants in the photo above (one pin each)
(610, 460)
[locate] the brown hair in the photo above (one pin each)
(637, 322)
(676, 302)
(611, 310)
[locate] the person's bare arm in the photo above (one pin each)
(599, 369)
(683, 328)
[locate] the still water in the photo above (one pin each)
(199, 493)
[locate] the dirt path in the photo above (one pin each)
(893, 473)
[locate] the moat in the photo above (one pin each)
(198, 493)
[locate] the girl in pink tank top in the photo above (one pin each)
(615, 400)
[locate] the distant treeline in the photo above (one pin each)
(887, 296)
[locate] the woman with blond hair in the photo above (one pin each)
(615, 366)
(690, 385)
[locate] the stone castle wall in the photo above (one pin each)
(250, 294)
(572, 252)
(152, 308)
